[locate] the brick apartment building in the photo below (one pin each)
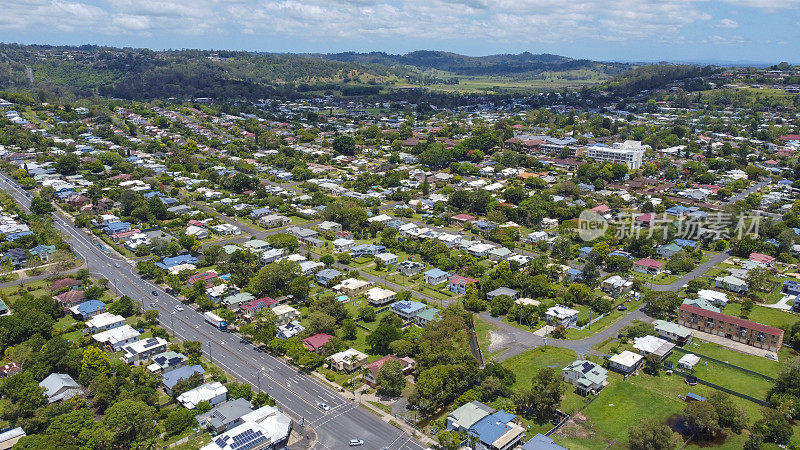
(733, 328)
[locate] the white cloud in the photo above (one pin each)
(514, 21)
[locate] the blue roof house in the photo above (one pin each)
(498, 430)
(407, 309)
(90, 308)
(170, 262)
(436, 276)
(584, 252)
(116, 227)
(326, 275)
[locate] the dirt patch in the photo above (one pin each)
(499, 340)
(576, 427)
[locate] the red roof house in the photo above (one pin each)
(762, 258)
(647, 265)
(316, 342)
(372, 369)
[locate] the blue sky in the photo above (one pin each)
(620, 30)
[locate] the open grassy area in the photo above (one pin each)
(725, 376)
(758, 364)
(767, 316)
(483, 330)
(526, 364)
(661, 279)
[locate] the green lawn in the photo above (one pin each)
(526, 364)
(758, 364)
(662, 278)
(737, 380)
(483, 330)
(761, 314)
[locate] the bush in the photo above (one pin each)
(330, 377)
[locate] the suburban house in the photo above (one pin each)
(172, 378)
(767, 260)
(731, 283)
(379, 296)
(213, 393)
(616, 285)
(285, 314)
(733, 328)
(463, 417)
(648, 266)
(561, 315)
(329, 226)
(343, 245)
(668, 250)
(435, 276)
(235, 301)
(265, 428)
(791, 287)
(167, 362)
(586, 376)
(688, 361)
(289, 330)
(88, 309)
(458, 284)
(371, 369)
(325, 276)
(117, 337)
(387, 258)
(716, 298)
(60, 386)
(514, 294)
(673, 332)
(647, 345)
(16, 256)
(274, 221)
(407, 309)
(497, 431)
(351, 287)
(411, 268)
(139, 352)
(317, 342)
(225, 415)
(626, 362)
(349, 360)
(104, 321)
(423, 318)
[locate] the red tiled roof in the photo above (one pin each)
(647, 262)
(463, 217)
(70, 297)
(762, 258)
(316, 341)
(64, 282)
(375, 366)
(645, 217)
(458, 279)
(601, 208)
(734, 320)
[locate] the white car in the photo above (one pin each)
(179, 308)
(323, 406)
(356, 442)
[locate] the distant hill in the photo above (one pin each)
(145, 74)
(498, 65)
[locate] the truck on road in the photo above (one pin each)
(216, 320)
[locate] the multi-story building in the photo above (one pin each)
(629, 153)
(733, 328)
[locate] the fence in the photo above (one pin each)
(566, 417)
(682, 350)
(724, 389)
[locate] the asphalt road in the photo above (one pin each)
(296, 392)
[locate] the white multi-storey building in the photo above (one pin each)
(628, 152)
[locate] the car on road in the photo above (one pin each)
(155, 293)
(621, 308)
(152, 305)
(116, 265)
(356, 442)
(178, 308)
(324, 407)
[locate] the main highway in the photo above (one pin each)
(297, 393)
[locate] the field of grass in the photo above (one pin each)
(737, 380)
(761, 314)
(483, 329)
(497, 84)
(526, 364)
(758, 364)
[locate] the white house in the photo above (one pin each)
(213, 393)
(379, 296)
(586, 376)
(104, 321)
(117, 337)
(561, 315)
(625, 362)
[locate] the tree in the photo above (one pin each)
(500, 305)
(651, 435)
(384, 334)
(366, 314)
(319, 322)
(125, 307)
(543, 397)
(41, 207)
(652, 364)
(758, 280)
(262, 399)
(344, 144)
(95, 362)
(24, 393)
(660, 304)
(349, 330)
(730, 415)
(774, 427)
(68, 164)
(702, 418)
(130, 421)
(391, 379)
(239, 390)
(327, 259)
(178, 420)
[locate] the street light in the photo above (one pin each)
(258, 378)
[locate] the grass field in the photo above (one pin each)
(758, 364)
(761, 314)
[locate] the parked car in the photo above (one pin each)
(324, 406)
(155, 293)
(356, 442)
